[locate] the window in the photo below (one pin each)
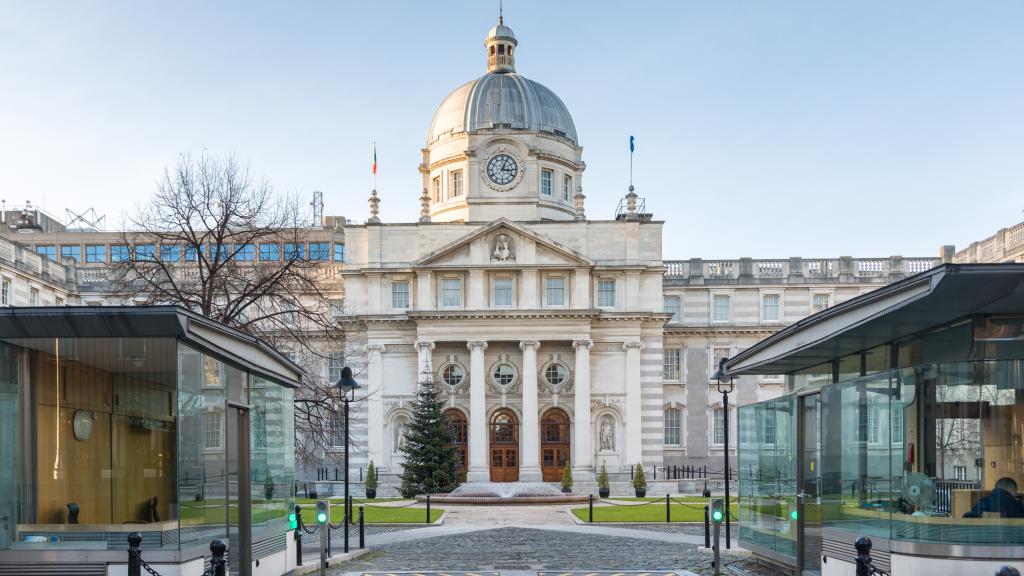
(960, 472)
(336, 430)
(294, 251)
(718, 434)
(717, 354)
(288, 314)
(672, 366)
(672, 427)
(504, 374)
(606, 293)
(720, 308)
(119, 253)
(245, 252)
(270, 252)
(335, 308)
(502, 291)
(399, 294)
(767, 425)
(320, 251)
(555, 374)
(170, 252)
(545, 182)
(869, 427)
(455, 188)
(566, 187)
(896, 425)
(770, 307)
(437, 188)
(453, 375)
(334, 367)
(5, 292)
(95, 253)
(145, 252)
(220, 252)
(451, 292)
(339, 252)
(191, 253)
(33, 297)
(554, 291)
(818, 303)
(212, 424)
(673, 307)
(71, 252)
(48, 251)
(58, 301)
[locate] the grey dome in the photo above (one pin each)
(502, 101)
(500, 31)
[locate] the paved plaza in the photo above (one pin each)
(515, 540)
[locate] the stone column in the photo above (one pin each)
(374, 402)
(424, 347)
(633, 441)
(529, 470)
(478, 470)
(583, 452)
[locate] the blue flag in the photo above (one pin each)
(632, 146)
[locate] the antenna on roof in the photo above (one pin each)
(501, 15)
(88, 221)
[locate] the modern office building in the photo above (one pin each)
(154, 420)
(902, 419)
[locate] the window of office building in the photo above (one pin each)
(245, 252)
(672, 364)
(294, 251)
(5, 292)
(95, 253)
(49, 251)
(270, 252)
(718, 434)
(334, 366)
(400, 294)
(554, 291)
(770, 307)
(456, 184)
(170, 252)
(451, 292)
(673, 430)
(320, 251)
(567, 187)
(145, 252)
(502, 291)
(818, 303)
(71, 252)
(339, 252)
(545, 182)
(437, 188)
(720, 308)
(673, 307)
(606, 293)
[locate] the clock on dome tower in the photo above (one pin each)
(502, 145)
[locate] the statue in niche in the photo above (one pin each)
(607, 436)
(399, 436)
(503, 248)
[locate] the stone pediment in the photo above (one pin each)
(503, 242)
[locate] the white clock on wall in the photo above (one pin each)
(503, 170)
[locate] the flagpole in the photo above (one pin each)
(374, 164)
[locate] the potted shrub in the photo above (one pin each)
(567, 479)
(639, 482)
(371, 481)
(603, 489)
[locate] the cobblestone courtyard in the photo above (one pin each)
(519, 549)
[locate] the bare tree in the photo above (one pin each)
(218, 241)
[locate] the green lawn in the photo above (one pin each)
(373, 514)
(691, 511)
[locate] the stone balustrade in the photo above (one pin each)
(795, 270)
(1006, 245)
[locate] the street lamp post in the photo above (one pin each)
(347, 387)
(725, 386)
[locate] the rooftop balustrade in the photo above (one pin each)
(795, 270)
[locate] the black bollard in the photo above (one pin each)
(590, 510)
(707, 529)
(428, 509)
(362, 533)
(346, 521)
(298, 535)
(135, 554)
(668, 508)
(863, 562)
(218, 562)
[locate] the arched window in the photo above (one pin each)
(673, 430)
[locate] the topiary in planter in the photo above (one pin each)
(639, 482)
(567, 479)
(603, 489)
(371, 481)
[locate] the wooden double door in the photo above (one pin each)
(554, 444)
(504, 446)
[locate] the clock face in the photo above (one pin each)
(502, 169)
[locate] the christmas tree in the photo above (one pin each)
(431, 463)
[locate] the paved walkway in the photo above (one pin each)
(515, 540)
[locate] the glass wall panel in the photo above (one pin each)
(99, 417)
(768, 475)
(202, 424)
(273, 458)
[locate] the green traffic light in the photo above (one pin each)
(321, 517)
(793, 514)
(293, 521)
(717, 515)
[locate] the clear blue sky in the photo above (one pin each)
(765, 129)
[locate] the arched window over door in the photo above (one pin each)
(554, 443)
(504, 446)
(458, 428)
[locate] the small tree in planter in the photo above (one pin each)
(603, 489)
(567, 479)
(640, 482)
(371, 481)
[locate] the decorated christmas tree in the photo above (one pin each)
(431, 463)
